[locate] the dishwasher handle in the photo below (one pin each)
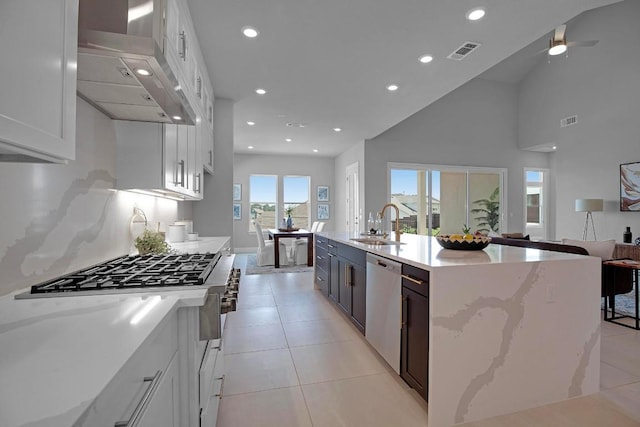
(385, 263)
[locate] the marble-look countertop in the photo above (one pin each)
(425, 252)
(58, 353)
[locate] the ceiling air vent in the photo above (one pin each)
(460, 53)
(568, 121)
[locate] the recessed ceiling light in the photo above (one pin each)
(425, 59)
(250, 147)
(295, 125)
(251, 123)
(554, 147)
(250, 32)
(143, 72)
(392, 88)
(177, 118)
(337, 129)
(315, 150)
(476, 13)
(261, 91)
(288, 139)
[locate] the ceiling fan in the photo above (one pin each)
(558, 44)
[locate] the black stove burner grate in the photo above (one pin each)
(130, 272)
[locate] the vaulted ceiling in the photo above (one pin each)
(326, 64)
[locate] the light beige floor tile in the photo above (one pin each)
(608, 329)
(622, 351)
(318, 332)
(258, 371)
(255, 301)
(370, 401)
(589, 411)
(611, 377)
(254, 338)
(627, 397)
(292, 283)
(298, 298)
(254, 288)
(298, 313)
(333, 361)
(283, 407)
(252, 317)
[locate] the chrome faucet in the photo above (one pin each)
(381, 214)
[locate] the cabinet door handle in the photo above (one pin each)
(199, 183)
(140, 407)
(381, 264)
(403, 313)
(181, 163)
(183, 46)
(219, 395)
(347, 275)
(210, 157)
(411, 279)
(319, 279)
(331, 255)
(199, 87)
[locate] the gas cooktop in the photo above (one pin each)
(133, 273)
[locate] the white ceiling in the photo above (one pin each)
(326, 63)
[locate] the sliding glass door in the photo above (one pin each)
(445, 199)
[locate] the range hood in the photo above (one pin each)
(119, 41)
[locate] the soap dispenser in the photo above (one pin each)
(627, 236)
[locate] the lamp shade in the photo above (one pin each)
(589, 205)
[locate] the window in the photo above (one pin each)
(263, 199)
(435, 198)
(296, 198)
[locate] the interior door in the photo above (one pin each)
(353, 199)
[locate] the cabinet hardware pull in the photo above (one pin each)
(155, 380)
(210, 157)
(199, 183)
(411, 279)
(181, 163)
(219, 395)
(331, 246)
(331, 255)
(319, 279)
(381, 264)
(183, 46)
(199, 87)
(318, 257)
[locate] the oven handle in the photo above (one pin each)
(133, 421)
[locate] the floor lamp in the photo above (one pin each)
(588, 206)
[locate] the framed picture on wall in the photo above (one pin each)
(630, 187)
(323, 193)
(237, 211)
(237, 192)
(323, 211)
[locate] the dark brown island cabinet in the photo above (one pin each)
(414, 352)
(345, 269)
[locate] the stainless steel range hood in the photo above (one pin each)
(118, 39)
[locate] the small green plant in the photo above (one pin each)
(466, 229)
(151, 242)
(489, 220)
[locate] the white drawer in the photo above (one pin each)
(121, 396)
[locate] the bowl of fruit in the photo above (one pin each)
(463, 242)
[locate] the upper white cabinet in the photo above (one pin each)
(38, 84)
(159, 158)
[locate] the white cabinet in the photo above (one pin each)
(38, 84)
(163, 409)
(159, 158)
(145, 389)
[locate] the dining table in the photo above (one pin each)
(276, 234)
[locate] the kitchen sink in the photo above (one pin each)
(376, 241)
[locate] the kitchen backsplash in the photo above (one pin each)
(59, 218)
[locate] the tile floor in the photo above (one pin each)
(292, 359)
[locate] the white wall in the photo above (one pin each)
(60, 218)
(320, 169)
(600, 84)
(475, 125)
(213, 216)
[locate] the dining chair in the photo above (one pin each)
(265, 255)
(299, 249)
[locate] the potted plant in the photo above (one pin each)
(289, 211)
(151, 242)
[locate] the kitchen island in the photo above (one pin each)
(508, 328)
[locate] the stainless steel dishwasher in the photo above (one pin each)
(384, 308)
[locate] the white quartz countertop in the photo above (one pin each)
(425, 252)
(203, 245)
(58, 353)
